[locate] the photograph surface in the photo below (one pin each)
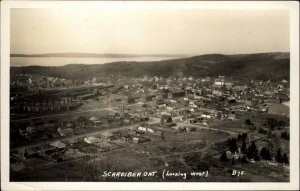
(149, 94)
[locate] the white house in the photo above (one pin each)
(91, 140)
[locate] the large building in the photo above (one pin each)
(43, 104)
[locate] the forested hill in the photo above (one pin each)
(262, 66)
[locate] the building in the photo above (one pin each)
(65, 131)
(130, 100)
(39, 104)
(177, 94)
(108, 136)
(58, 145)
(95, 120)
(165, 119)
(231, 99)
(91, 140)
(150, 97)
(86, 96)
(136, 140)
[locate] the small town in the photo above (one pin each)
(74, 130)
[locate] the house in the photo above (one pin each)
(108, 136)
(130, 100)
(150, 130)
(47, 149)
(136, 140)
(65, 131)
(165, 119)
(231, 116)
(169, 108)
(58, 145)
(189, 129)
(193, 120)
(126, 121)
(219, 83)
(91, 140)
(264, 109)
(135, 132)
(140, 128)
(26, 152)
(231, 99)
(176, 94)
(159, 102)
(191, 110)
(228, 85)
(95, 120)
(139, 139)
(150, 97)
(73, 140)
(204, 115)
(31, 129)
(144, 118)
(125, 137)
(217, 93)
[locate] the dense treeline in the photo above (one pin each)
(264, 66)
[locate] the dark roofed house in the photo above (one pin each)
(177, 94)
(150, 97)
(108, 136)
(165, 119)
(231, 99)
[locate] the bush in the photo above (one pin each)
(265, 154)
(224, 157)
(279, 156)
(244, 159)
(285, 158)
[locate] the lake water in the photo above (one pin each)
(60, 61)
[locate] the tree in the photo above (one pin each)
(279, 156)
(285, 135)
(244, 147)
(224, 157)
(285, 158)
(244, 159)
(252, 151)
(244, 136)
(255, 155)
(232, 161)
(265, 154)
(239, 137)
(232, 145)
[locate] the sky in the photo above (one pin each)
(148, 31)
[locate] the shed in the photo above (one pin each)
(58, 144)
